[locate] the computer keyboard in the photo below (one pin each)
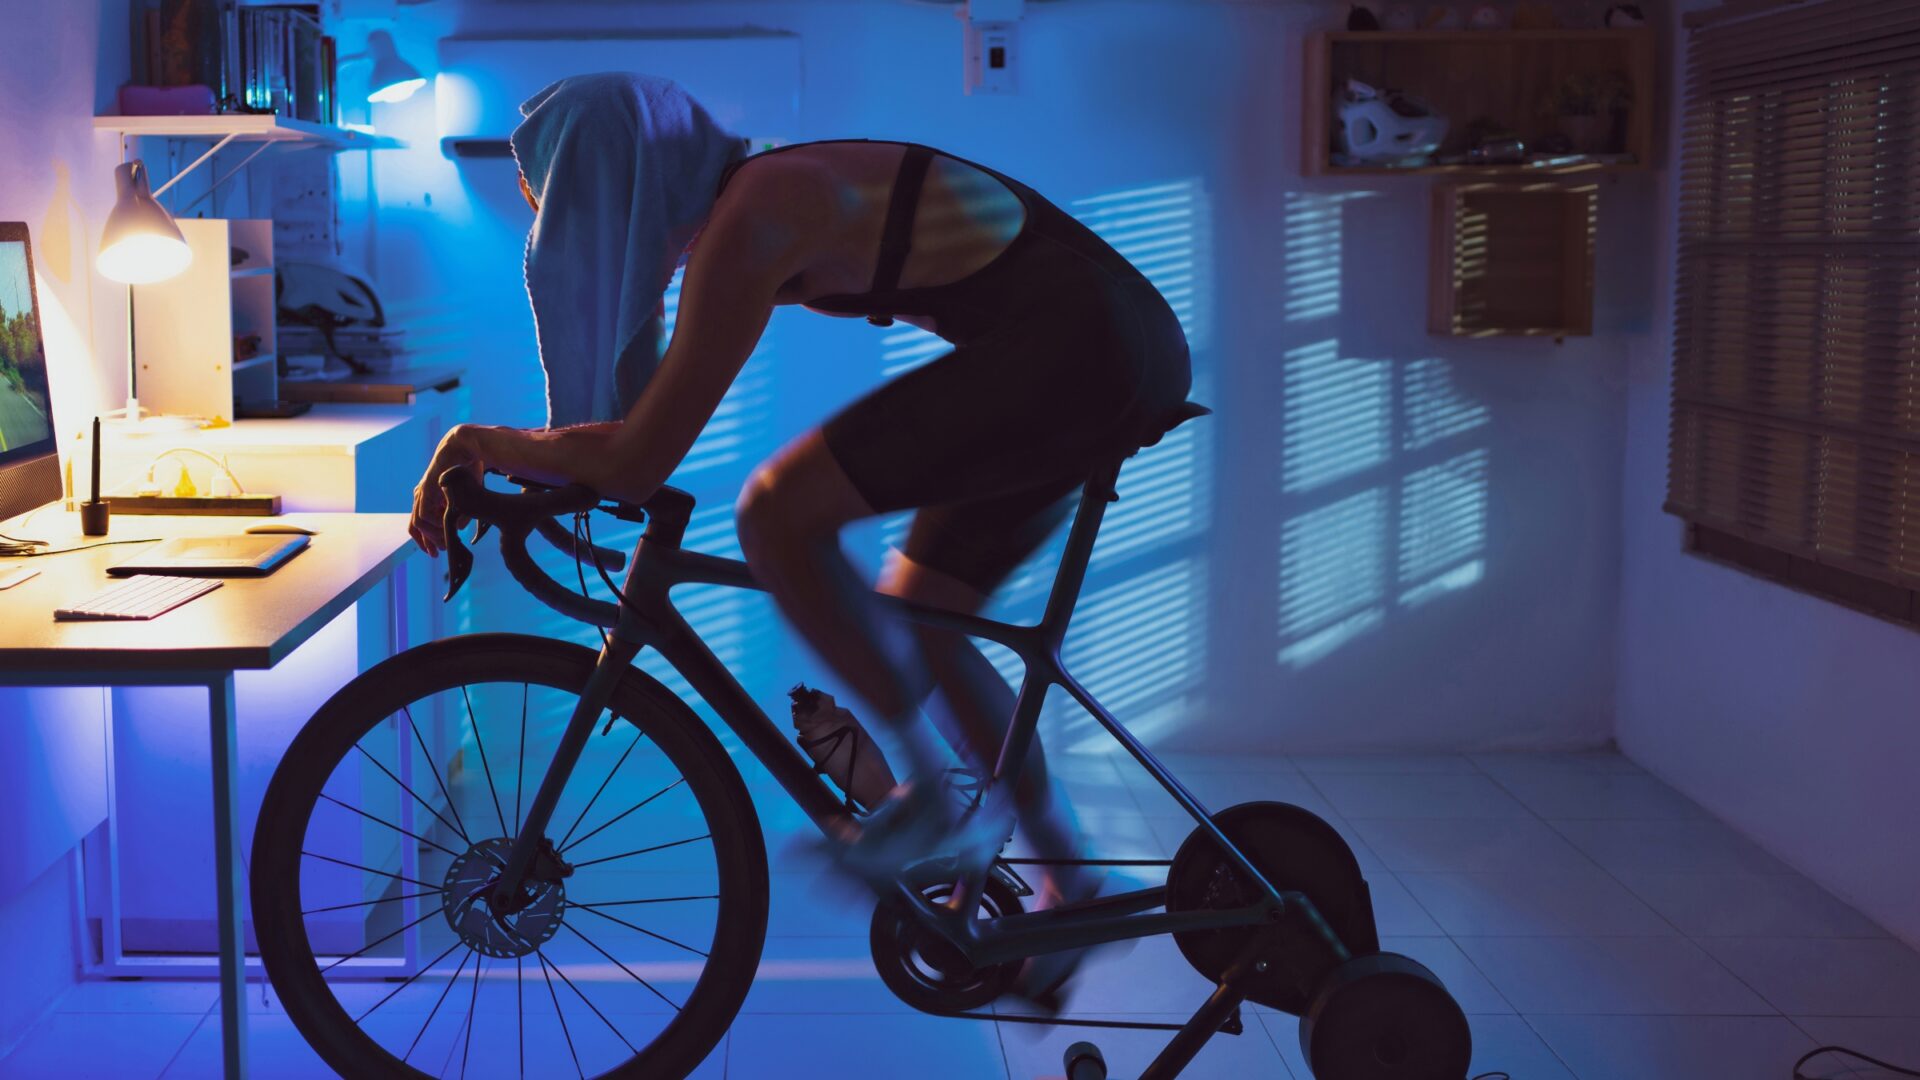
(141, 597)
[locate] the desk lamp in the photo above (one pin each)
(139, 246)
(392, 79)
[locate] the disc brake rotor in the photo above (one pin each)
(469, 886)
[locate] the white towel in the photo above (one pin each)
(625, 168)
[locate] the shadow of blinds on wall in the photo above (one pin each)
(1795, 439)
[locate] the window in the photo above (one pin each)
(1795, 441)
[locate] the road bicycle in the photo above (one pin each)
(627, 949)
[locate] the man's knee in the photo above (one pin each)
(921, 584)
(799, 495)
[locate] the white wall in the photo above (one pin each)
(59, 64)
(1347, 439)
(1796, 720)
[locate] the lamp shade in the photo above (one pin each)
(393, 79)
(140, 244)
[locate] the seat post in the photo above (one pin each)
(1099, 491)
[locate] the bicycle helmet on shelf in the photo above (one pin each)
(1385, 127)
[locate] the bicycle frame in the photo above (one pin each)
(648, 619)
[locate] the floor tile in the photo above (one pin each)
(140, 996)
(902, 1045)
(1443, 957)
(1556, 903)
(1826, 977)
(1502, 1043)
(1395, 910)
(1624, 975)
(1315, 764)
(1673, 1047)
(1748, 905)
(275, 1051)
(1894, 1040)
(66, 1046)
(813, 975)
(1035, 1052)
(1503, 764)
(1417, 795)
(1219, 790)
(1601, 795)
(1702, 846)
(1463, 844)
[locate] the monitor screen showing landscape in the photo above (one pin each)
(26, 428)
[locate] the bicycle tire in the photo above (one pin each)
(459, 662)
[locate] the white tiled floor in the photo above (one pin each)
(1592, 922)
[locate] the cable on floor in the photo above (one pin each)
(1811, 1054)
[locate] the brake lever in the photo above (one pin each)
(459, 558)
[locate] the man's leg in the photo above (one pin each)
(790, 516)
(978, 708)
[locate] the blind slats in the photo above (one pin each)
(1786, 32)
(1796, 390)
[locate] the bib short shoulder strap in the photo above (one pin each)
(897, 238)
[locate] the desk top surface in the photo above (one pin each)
(247, 623)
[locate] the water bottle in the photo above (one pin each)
(841, 749)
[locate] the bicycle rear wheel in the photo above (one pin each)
(395, 806)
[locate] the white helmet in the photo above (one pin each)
(1386, 127)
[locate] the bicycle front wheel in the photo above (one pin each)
(634, 944)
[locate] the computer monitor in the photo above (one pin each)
(29, 460)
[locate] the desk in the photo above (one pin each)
(247, 624)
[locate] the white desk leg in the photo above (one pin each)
(226, 868)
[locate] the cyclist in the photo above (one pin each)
(1064, 356)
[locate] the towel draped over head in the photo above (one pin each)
(625, 168)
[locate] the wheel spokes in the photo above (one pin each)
(596, 1009)
(645, 850)
(603, 786)
(462, 833)
(435, 1011)
(370, 903)
(409, 981)
(388, 824)
(622, 814)
(370, 854)
(435, 766)
(364, 949)
(643, 930)
(479, 744)
(371, 870)
(562, 1015)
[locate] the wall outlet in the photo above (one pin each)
(990, 57)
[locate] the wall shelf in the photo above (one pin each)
(1502, 76)
(1511, 260)
(243, 127)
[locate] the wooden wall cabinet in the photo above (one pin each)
(1511, 260)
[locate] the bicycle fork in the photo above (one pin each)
(508, 896)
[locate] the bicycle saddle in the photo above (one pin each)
(1179, 414)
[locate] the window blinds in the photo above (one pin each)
(1795, 441)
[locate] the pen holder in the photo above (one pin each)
(93, 518)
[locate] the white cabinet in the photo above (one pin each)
(337, 458)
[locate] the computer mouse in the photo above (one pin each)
(279, 528)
